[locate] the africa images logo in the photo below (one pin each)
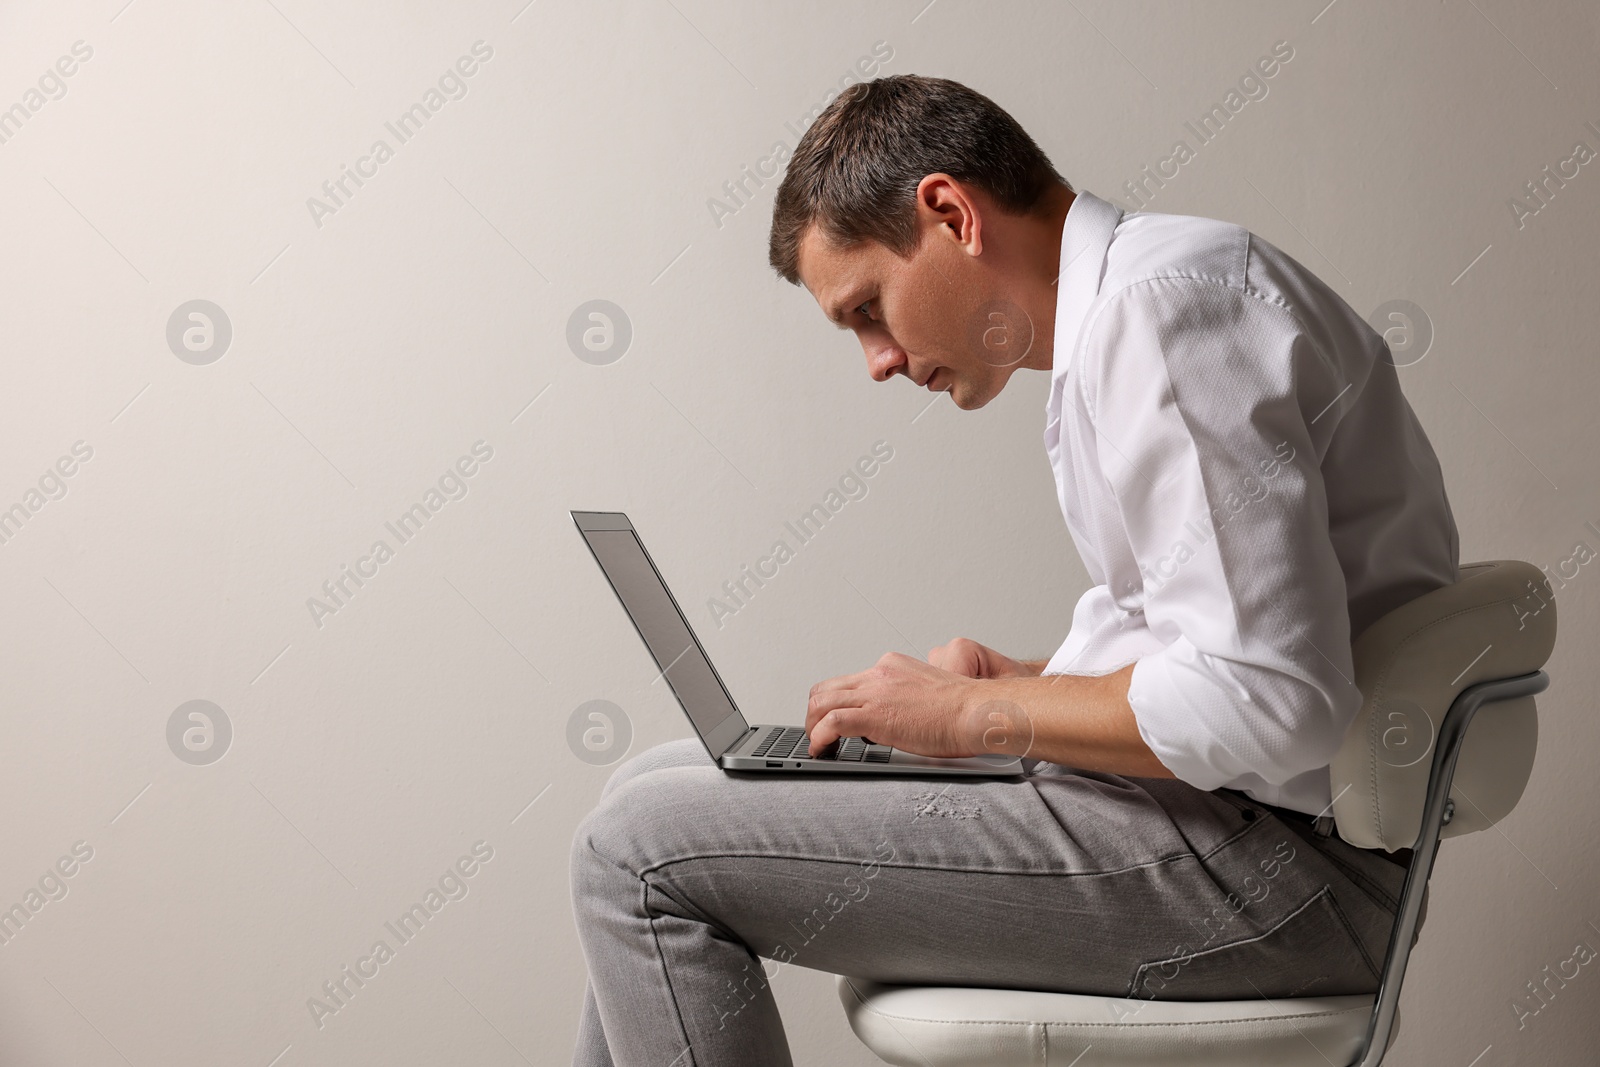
(453, 484)
(852, 485)
(451, 85)
(740, 191)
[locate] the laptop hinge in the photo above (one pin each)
(738, 741)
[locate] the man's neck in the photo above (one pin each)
(1044, 272)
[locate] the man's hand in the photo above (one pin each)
(972, 660)
(1081, 721)
(914, 706)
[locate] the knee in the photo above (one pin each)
(686, 752)
(603, 851)
(587, 868)
(628, 825)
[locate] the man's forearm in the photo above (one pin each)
(1076, 720)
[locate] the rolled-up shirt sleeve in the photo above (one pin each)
(1195, 391)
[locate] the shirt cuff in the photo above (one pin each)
(1175, 698)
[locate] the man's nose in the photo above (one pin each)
(884, 360)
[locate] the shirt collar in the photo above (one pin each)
(1085, 237)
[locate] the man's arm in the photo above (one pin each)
(1081, 721)
(1077, 720)
(1213, 409)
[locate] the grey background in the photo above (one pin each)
(430, 312)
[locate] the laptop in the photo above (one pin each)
(732, 742)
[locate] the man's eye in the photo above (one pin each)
(865, 309)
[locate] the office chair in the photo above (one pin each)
(1425, 670)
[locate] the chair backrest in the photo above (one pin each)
(1497, 621)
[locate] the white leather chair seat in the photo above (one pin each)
(946, 1026)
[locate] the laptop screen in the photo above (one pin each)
(665, 631)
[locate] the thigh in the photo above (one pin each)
(1070, 882)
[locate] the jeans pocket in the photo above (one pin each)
(1311, 952)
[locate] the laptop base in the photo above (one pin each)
(772, 749)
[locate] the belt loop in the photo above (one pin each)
(1323, 826)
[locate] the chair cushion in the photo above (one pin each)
(947, 1026)
(1497, 621)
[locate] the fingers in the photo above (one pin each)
(828, 727)
(844, 681)
(835, 707)
(831, 694)
(825, 702)
(874, 673)
(821, 732)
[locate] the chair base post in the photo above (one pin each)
(1447, 749)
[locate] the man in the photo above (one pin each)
(1248, 488)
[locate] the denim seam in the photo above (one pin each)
(1122, 1028)
(1253, 824)
(1224, 844)
(1362, 881)
(937, 869)
(1274, 927)
(1350, 931)
(666, 976)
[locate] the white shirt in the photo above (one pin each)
(1247, 486)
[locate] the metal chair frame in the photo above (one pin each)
(1435, 814)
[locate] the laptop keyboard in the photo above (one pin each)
(791, 742)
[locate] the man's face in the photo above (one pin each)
(929, 316)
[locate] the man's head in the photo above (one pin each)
(924, 218)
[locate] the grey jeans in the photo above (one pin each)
(692, 885)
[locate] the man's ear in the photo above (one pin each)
(949, 208)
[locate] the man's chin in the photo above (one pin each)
(968, 399)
